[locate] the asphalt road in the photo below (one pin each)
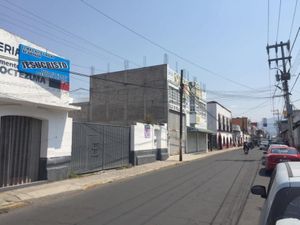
(209, 191)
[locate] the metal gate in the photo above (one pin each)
(97, 147)
(20, 141)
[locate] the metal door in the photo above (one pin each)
(20, 141)
(97, 146)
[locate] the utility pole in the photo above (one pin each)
(180, 116)
(284, 76)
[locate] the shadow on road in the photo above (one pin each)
(238, 160)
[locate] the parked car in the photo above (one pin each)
(280, 153)
(269, 149)
(282, 205)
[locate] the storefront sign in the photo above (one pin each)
(43, 64)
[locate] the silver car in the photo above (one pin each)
(282, 205)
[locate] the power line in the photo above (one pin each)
(160, 46)
(295, 40)
(54, 39)
(268, 22)
(133, 84)
(50, 36)
(84, 89)
(253, 108)
(278, 23)
(65, 31)
(294, 14)
(295, 82)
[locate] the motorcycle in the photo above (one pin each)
(246, 148)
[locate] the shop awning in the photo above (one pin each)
(200, 130)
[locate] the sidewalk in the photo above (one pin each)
(22, 196)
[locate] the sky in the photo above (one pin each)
(223, 42)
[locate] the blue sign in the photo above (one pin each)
(41, 63)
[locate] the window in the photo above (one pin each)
(223, 123)
(173, 96)
(286, 204)
(271, 181)
(284, 151)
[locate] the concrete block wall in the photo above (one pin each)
(146, 101)
(81, 115)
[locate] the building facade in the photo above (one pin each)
(35, 132)
(245, 126)
(219, 121)
(197, 132)
(145, 95)
(237, 135)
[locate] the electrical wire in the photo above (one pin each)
(107, 51)
(295, 82)
(70, 34)
(255, 107)
(294, 14)
(295, 40)
(278, 22)
(268, 23)
(51, 37)
(147, 86)
(162, 47)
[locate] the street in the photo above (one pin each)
(212, 191)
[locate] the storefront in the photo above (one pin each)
(35, 131)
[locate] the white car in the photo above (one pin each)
(282, 205)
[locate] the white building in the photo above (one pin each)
(237, 135)
(219, 121)
(35, 133)
(197, 133)
(173, 79)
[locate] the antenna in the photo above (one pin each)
(126, 64)
(166, 58)
(92, 70)
(108, 67)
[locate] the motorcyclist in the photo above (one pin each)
(246, 147)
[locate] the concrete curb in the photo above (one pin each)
(21, 197)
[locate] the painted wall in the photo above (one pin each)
(214, 110)
(56, 138)
(147, 137)
(28, 95)
(212, 123)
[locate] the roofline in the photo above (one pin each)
(219, 105)
(139, 68)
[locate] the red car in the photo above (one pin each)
(277, 154)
